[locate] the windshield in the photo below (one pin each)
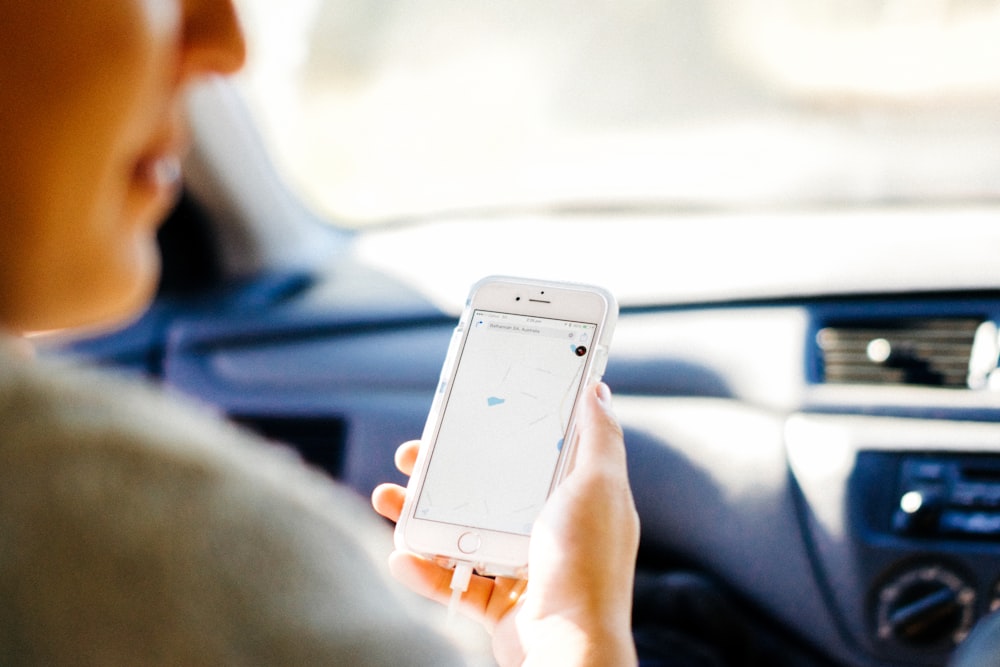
(389, 110)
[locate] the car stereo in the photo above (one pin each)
(948, 496)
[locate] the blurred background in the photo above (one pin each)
(393, 110)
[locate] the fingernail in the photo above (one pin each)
(604, 394)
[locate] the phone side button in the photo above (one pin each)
(469, 543)
(600, 362)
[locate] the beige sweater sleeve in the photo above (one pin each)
(137, 530)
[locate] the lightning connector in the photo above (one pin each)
(459, 584)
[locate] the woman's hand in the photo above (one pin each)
(576, 610)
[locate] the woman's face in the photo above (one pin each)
(91, 137)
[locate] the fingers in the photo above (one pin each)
(406, 456)
(600, 441)
(601, 450)
(387, 499)
(422, 576)
(486, 600)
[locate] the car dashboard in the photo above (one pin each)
(828, 460)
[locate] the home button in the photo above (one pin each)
(469, 543)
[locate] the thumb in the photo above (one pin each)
(600, 443)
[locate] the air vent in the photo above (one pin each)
(931, 352)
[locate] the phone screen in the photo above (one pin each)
(505, 420)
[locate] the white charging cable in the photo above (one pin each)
(459, 584)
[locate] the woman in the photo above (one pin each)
(139, 530)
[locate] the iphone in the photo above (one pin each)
(500, 434)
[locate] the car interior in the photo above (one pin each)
(806, 370)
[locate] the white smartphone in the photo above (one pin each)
(499, 436)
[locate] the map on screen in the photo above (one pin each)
(505, 420)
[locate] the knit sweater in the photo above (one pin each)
(139, 529)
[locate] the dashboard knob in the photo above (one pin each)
(919, 512)
(926, 607)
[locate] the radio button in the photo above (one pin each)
(971, 523)
(976, 495)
